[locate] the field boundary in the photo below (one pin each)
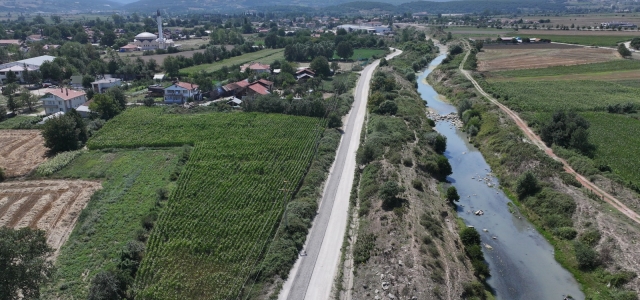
(535, 139)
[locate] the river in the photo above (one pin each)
(521, 261)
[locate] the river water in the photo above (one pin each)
(521, 261)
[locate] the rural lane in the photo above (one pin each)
(313, 274)
(535, 139)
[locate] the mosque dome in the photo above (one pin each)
(146, 36)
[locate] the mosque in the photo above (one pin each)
(149, 41)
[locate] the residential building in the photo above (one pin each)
(235, 88)
(84, 110)
(32, 64)
(102, 85)
(9, 42)
(62, 100)
(256, 67)
(304, 74)
(256, 89)
(19, 71)
(180, 92)
(76, 81)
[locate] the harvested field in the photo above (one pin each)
(626, 33)
(506, 57)
(50, 205)
(21, 151)
(161, 57)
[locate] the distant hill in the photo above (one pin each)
(330, 6)
(57, 6)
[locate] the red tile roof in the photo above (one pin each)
(66, 94)
(186, 85)
(265, 82)
(305, 70)
(255, 66)
(258, 88)
(243, 83)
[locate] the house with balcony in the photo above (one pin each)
(180, 92)
(100, 86)
(62, 100)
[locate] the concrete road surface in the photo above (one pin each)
(313, 274)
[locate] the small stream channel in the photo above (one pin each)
(521, 261)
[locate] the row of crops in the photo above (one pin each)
(549, 96)
(603, 67)
(228, 200)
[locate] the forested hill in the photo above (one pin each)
(345, 6)
(57, 6)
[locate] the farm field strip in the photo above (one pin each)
(265, 56)
(21, 151)
(610, 67)
(602, 76)
(51, 205)
(113, 217)
(549, 96)
(616, 138)
(510, 58)
(227, 201)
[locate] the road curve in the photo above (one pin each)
(538, 142)
(313, 274)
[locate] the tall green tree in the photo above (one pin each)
(171, 66)
(527, 185)
(118, 95)
(344, 50)
(320, 65)
(24, 264)
(28, 99)
(105, 106)
(624, 52)
(60, 134)
(635, 43)
(452, 195)
(13, 104)
(11, 77)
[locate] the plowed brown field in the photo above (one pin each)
(21, 151)
(501, 58)
(50, 205)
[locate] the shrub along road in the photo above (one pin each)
(535, 139)
(313, 274)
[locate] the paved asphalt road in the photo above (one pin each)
(313, 274)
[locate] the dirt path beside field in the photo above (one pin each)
(538, 142)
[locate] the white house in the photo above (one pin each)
(101, 85)
(179, 92)
(84, 110)
(56, 100)
(17, 67)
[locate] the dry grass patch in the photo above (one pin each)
(21, 151)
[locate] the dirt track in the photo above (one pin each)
(21, 151)
(538, 142)
(50, 205)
